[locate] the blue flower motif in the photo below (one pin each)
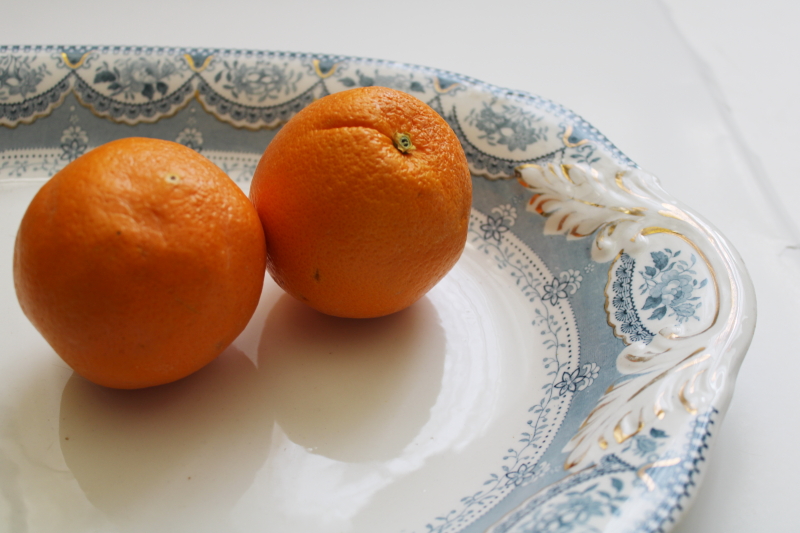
(570, 381)
(619, 283)
(512, 126)
(260, 81)
(494, 228)
(670, 283)
(684, 311)
(191, 137)
(555, 290)
(645, 445)
(590, 372)
(72, 149)
(136, 76)
(577, 511)
(522, 474)
(675, 285)
(74, 142)
(19, 77)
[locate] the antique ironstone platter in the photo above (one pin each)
(569, 375)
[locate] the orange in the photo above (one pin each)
(139, 262)
(364, 197)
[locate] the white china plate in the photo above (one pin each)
(568, 375)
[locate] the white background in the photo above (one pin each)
(702, 93)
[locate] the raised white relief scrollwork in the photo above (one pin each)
(671, 297)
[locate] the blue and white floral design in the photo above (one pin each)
(596, 499)
(25, 165)
(191, 137)
(135, 77)
(565, 376)
(258, 81)
(510, 126)
(397, 81)
(19, 77)
(670, 283)
(578, 379)
(74, 142)
(580, 508)
(562, 286)
(502, 221)
(526, 472)
(239, 167)
(586, 154)
(625, 313)
(647, 445)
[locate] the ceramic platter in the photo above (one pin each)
(568, 375)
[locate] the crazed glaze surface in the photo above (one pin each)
(567, 376)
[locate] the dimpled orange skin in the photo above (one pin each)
(355, 227)
(139, 262)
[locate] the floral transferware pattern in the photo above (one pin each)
(511, 126)
(670, 283)
(588, 238)
(522, 464)
(133, 78)
(594, 499)
(18, 77)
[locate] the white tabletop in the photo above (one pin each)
(701, 93)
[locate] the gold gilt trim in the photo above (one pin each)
(695, 362)
(319, 72)
(562, 222)
(665, 373)
(691, 409)
(46, 113)
(670, 214)
(176, 109)
(607, 307)
(572, 464)
(645, 477)
(637, 359)
(608, 228)
(643, 359)
(621, 184)
(567, 135)
(248, 127)
(620, 436)
(523, 166)
(632, 211)
(597, 408)
(575, 233)
(76, 65)
(565, 168)
(540, 208)
(190, 61)
(437, 86)
(671, 211)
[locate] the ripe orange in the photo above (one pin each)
(364, 197)
(139, 262)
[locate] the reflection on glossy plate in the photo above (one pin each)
(568, 375)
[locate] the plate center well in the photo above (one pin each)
(324, 424)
